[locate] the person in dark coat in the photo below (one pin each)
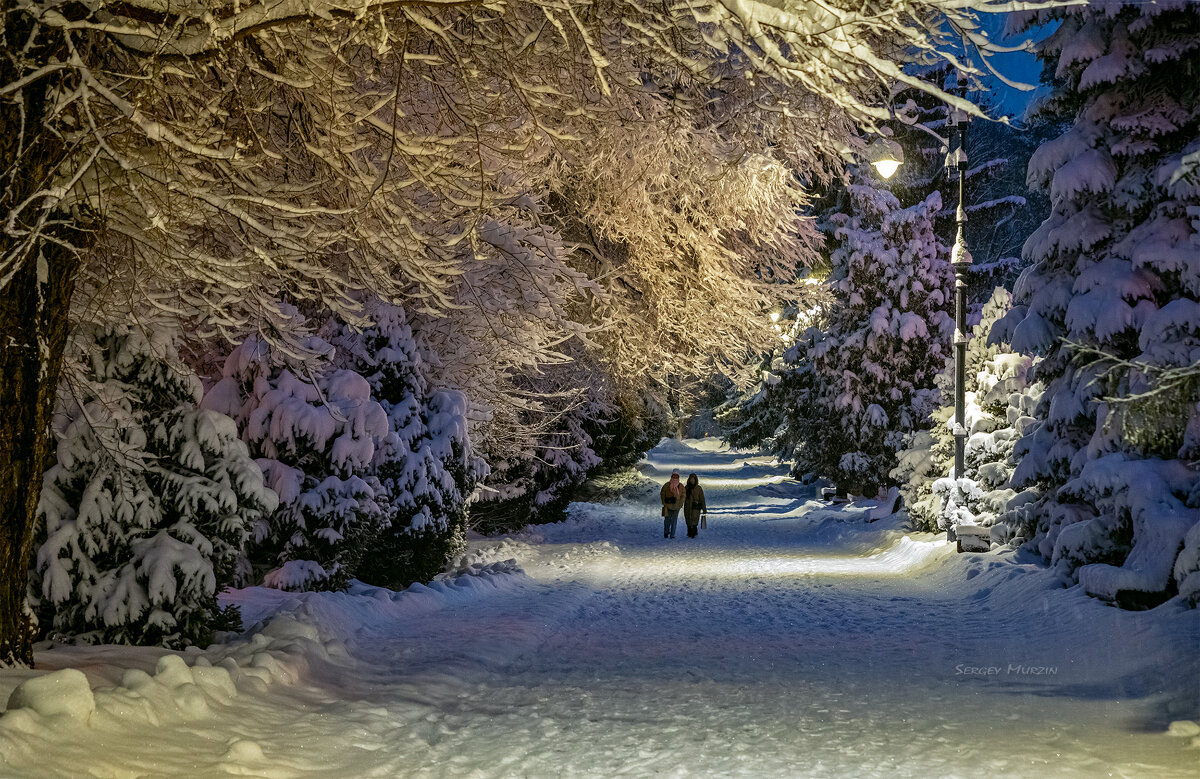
(694, 507)
(672, 496)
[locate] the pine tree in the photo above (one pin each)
(149, 504)
(757, 418)
(315, 436)
(425, 465)
(869, 380)
(1115, 284)
(536, 486)
(634, 425)
(999, 404)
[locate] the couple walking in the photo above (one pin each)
(690, 498)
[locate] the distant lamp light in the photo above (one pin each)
(886, 156)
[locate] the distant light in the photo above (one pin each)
(887, 168)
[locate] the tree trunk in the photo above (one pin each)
(33, 334)
(34, 307)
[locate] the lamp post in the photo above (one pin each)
(960, 259)
(886, 156)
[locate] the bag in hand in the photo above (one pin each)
(664, 511)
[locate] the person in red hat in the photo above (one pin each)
(672, 496)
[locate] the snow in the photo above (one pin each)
(1110, 68)
(1084, 46)
(1091, 171)
(63, 693)
(1032, 334)
(791, 638)
(1145, 491)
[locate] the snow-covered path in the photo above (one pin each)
(789, 639)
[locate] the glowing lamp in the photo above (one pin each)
(886, 156)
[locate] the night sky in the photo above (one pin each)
(1017, 66)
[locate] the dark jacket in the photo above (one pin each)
(693, 504)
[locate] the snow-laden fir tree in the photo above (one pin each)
(149, 504)
(535, 483)
(1002, 212)
(759, 417)
(1113, 299)
(755, 418)
(870, 373)
(425, 465)
(999, 403)
(536, 488)
(634, 424)
(315, 433)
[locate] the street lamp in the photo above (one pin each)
(886, 156)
